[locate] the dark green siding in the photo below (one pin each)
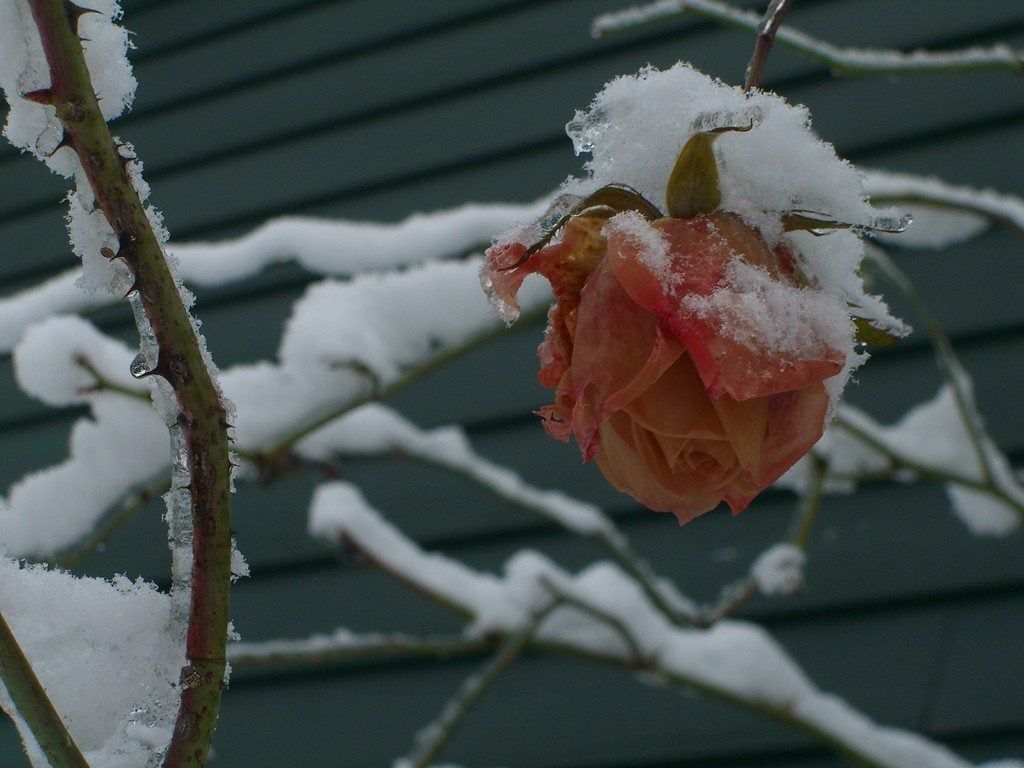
(378, 108)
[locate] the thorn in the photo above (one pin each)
(75, 13)
(134, 287)
(41, 96)
(109, 253)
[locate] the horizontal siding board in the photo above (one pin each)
(982, 683)
(508, 114)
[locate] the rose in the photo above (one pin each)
(688, 356)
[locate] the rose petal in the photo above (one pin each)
(677, 404)
(699, 250)
(614, 342)
(624, 469)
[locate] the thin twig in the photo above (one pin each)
(121, 514)
(430, 742)
(842, 61)
(607, 533)
(766, 32)
(380, 393)
(948, 363)
(901, 461)
(738, 594)
(181, 362)
(888, 188)
(34, 706)
(320, 652)
(103, 384)
(636, 653)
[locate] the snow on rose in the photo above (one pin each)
(696, 356)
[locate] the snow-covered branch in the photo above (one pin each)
(733, 661)
(842, 61)
(337, 248)
(345, 344)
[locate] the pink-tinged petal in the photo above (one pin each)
(744, 424)
(555, 351)
(557, 418)
(796, 421)
(677, 405)
(614, 342)
(620, 459)
(501, 277)
(699, 252)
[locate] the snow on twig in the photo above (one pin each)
(734, 661)
(845, 61)
(323, 247)
(1003, 209)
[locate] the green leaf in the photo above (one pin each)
(693, 185)
(872, 336)
(606, 201)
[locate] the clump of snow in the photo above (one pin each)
(931, 439)
(735, 660)
(931, 191)
(344, 341)
(982, 513)
(636, 126)
(120, 449)
(650, 243)
(392, 320)
(779, 570)
(338, 510)
(50, 363)
(764, 313)
(102, 652)
(23, 68)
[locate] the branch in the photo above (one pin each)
(450, 450)
(887, 188)
(117, 517)
(766, 33)
(344, 647)
(180, 361)
(842, 61)
(430, 741)
(34, 705)
(764, 679)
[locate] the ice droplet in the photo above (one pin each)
(139, 368)
(716, 121)
(583, 129)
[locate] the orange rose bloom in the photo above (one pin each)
(680, 406)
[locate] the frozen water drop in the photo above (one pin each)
(716, 121)
(584, 128)
(139, 368)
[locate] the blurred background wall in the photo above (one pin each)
(249, 109)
